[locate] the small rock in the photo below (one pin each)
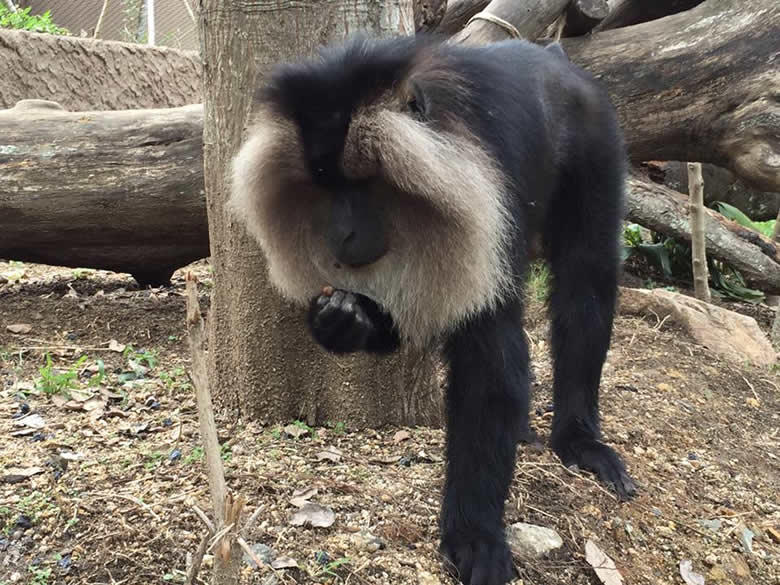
(737, 568)
(718, 576)
(366, 541)
(262, 552)
(733, 336)
(711, 560)
(531, 541)
(426, 578)
(745, 538)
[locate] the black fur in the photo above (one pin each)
(555, 134)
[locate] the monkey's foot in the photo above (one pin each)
(478, 559)
(575, 447)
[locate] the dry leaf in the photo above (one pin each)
(315, 515)
(301, 497)
(604, 566)
(93, 404)
(295, 431)
(114, 345)
(688, 574)
(32, 421)
(17, 474)
(329, 453)
(284, 563)
(80, 395)
(401, 436)
(19, 328)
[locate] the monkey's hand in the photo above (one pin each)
(345, 322)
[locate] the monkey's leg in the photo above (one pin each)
(345, 322)
(487, 412)
(584, 265)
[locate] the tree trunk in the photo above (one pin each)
(264, 364)
(629, 12)
(89, 74)
(701, 285)
(663, 210)
(65, 200)
(709, 71)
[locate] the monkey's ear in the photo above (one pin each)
(417, 102)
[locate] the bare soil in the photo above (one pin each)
(120, 466)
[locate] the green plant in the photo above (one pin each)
(53, 381)
(339, 428)
(23, 20)
(39, 576)
(763, 227)
(97, 378)
(195, 455)
(225, 452)
(82, 273)
(330, 568)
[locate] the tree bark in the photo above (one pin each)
(583, 15)
(428, 14)
(663, 210)
(264, 364)
(701, 287)
(529, 17)
(630, 12)
(89, 74)
(710, 72)
(65, 200)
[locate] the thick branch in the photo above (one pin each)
(663, 210)
(89, 74)
(529, 17)
(700, 86)
(629, 12)
(119, 190)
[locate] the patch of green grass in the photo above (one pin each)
(538, 282)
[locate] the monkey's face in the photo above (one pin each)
(361, 173)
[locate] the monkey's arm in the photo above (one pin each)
(345, 322)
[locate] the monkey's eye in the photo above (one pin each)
(414, 106)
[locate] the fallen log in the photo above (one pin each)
(118, 190)
(698, 86)
(123, 191)
(629, 12)
(660, 209)
(88, 74)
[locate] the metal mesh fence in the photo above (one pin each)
(173, 22)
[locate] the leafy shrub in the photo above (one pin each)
(23, 20)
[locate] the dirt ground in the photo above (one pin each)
(98, 482)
